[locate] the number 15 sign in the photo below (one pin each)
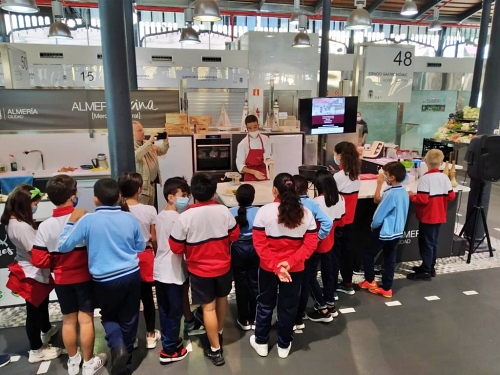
(388, 74)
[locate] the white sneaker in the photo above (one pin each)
(45, 353)
(48, 335)
(92, 366)
(74, 365)
(261, 349)
(152, 341)
(283, 353)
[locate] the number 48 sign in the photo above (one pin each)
(388, 74)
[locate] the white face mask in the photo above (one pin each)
(359, 118)
(254, 134)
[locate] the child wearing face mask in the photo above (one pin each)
(244, 258)
(73, 281)
(387, 227)
(130, 188)
(30, 282)
(170, 274)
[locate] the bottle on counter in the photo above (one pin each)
(453, 175)
(13, 163)
(446, 170)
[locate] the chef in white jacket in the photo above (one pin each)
(254, 152)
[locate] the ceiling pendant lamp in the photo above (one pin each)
(359, 19)
(302, 40)
(435, 24)
(206, 11)
(409, 9)
(188, 34)
(19, 6)
(58, 29)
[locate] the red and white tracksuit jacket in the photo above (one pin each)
(275, 243)
(336, 213)
(68, 268)
(204, 232)
(434, 191)
(349, 190)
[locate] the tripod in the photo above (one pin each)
(474, 216)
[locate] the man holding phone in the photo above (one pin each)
(146, 160)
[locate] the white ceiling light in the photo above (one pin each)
(302, 40)
(435, 24)
(58, 29)
(19, 6)
(359, 19)
(409, 9)
(206, 11)
(188, 34)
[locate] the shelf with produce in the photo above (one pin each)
(460, 128)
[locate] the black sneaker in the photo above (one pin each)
(333, 311)
(191, 326)
(319, 316)
(419, 276)
(176, 356)
(216, 357)
(120, 358)
(420, 269)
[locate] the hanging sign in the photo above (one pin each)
(388, 74)
(200, 77)
(78, 109)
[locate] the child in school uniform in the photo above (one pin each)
(346, 156)
(332, 203)
(31, 283)
(387, 226)
(170, 272)
(434, 191)
(130, 188)
(72, 278)
(244, 259)
(325, 226)
(284, 236)
(203, 233)
(113, 239)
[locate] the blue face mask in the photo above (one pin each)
(181, 203)
(33, 209)
(75, 202)
(337, 161)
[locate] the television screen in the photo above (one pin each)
(334, 115)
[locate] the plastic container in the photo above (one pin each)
(13, 163)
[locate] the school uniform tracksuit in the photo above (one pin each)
(275, 243)
(170, 274)
(387, 226)
(434, 191)
(245, 266)
(71, 271)
(113, 239)
(342, 253)
(325, 227)
(203, 233)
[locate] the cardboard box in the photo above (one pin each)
(201, 120)
(176, 118)
(200, 129)
(177, 129)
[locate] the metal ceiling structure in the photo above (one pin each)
(452, 12)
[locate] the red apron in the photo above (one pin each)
(255, 161)
(146, 264)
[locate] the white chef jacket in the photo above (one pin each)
(242, 153)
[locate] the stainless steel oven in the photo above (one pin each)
(212, 153)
